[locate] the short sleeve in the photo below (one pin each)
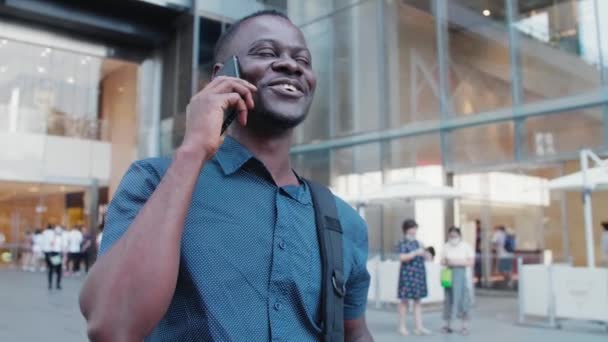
(357, 284)
(135, 188)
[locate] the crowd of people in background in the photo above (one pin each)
(57, 251)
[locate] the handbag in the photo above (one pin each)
(446, 278)
(55, 260)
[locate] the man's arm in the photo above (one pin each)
(355, 330)
(131, 286)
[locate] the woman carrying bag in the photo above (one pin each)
(412, 277)
(458, 258)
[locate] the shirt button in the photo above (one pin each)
(278, 306)
(282, 244)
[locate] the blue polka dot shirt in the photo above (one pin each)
(250, 267)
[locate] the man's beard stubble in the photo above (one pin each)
(266, 123)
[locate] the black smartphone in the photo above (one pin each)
(230, 68)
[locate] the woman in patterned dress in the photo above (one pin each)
(412, 277)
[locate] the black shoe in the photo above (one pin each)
(58, 287)
(50, 287)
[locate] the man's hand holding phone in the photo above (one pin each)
(205, 113)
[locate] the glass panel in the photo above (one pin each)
(484, 144)
(48, 91)
(418, 150)
(417, 83)
(565, 132)
(558, 47)
(479, 70)
(346, 99)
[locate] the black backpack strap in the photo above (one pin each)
(333, 289)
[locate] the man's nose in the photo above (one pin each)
(287, 65)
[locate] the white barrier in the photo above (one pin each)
(385, 280)
(581, 293)
(560, 292)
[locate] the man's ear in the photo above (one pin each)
(216, 69)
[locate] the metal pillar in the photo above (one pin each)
(519, 132)
(587, 189)
(93, 211)
(565, 226)
(440, 10)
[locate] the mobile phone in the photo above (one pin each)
(230, 68)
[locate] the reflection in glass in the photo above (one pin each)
(567, 132)
(559, 48)
(48, 91)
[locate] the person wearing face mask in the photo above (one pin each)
(412, 277)
(459, 257)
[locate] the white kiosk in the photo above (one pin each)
(562, 292)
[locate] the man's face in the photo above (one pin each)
(274, 57)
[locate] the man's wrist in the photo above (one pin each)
(190, 158)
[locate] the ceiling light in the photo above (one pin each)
(33, 189)
(70, 80)
(486, 12)
(121, 89)
(2, 69)
(62, 188)
(41, 70)
(3, 41)
(47, 50)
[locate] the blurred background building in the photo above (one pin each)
(491, 97)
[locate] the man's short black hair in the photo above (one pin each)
(222, 42)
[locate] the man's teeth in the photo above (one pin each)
(289, 87)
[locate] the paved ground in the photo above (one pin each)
(29, 312)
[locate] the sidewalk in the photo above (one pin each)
(29, 312)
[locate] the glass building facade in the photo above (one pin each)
(494, 98)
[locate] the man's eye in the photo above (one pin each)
(303, 60)
(266, 53)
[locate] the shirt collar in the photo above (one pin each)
(232, 155)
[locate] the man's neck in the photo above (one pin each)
(273, 151)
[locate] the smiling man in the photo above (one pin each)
(219, 243)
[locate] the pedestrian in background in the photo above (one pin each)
(412, 277)
(459, 257)
(54, 247)
(85, 248)
(74, 241)
(37, 253)
(504, 248)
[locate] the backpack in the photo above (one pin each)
(329, 233)
(510, 243)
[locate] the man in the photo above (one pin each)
(85, 247)
(74, 241)
(220, 243)
(505, 256)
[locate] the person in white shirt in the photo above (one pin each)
(74, 241)
(459, 257)
(37, 253)
(53, 245)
